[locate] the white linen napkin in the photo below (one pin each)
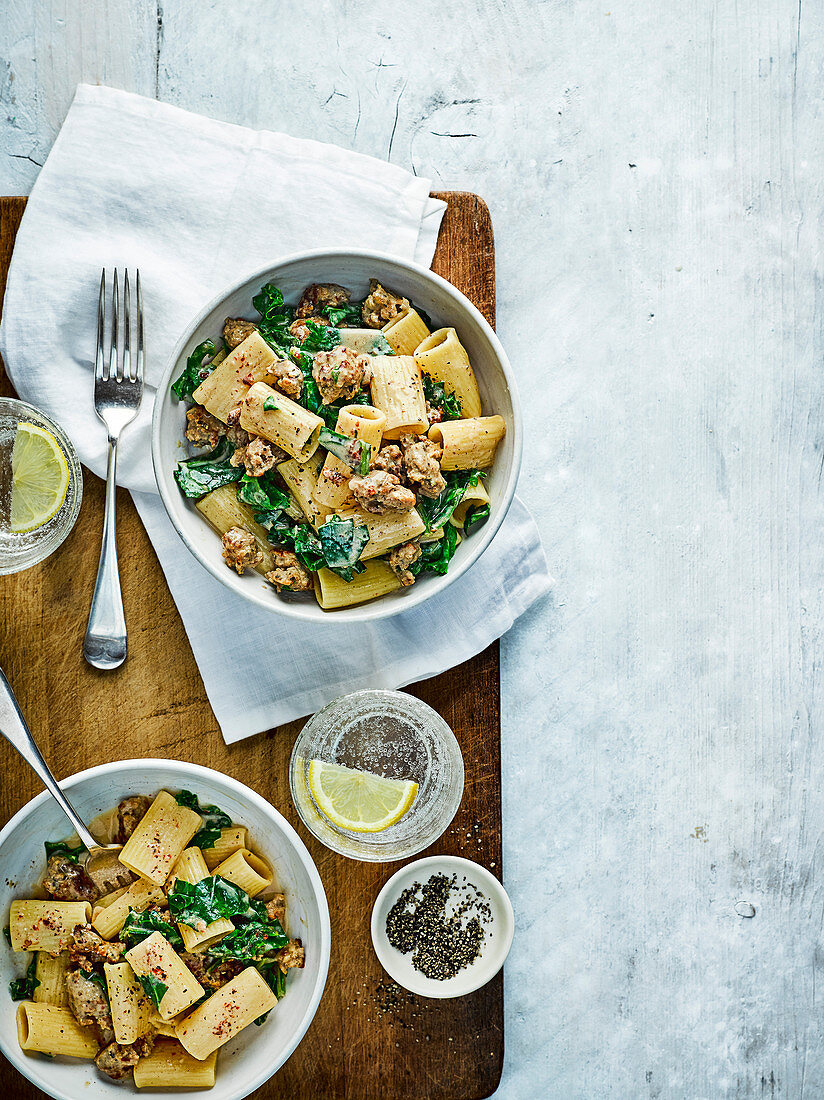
(196, 204)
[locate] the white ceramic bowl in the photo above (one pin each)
(497, 940)
(258, 1052)
(446, 307)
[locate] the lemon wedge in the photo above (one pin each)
(359, 801)
(39, 477)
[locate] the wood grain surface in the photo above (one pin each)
(365, 1042)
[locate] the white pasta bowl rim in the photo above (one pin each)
(385, 606)
(222, 1089)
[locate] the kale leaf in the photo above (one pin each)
(436, 556)
(195, 370)
(342, 543)
(22, 989)
(200, 476)
(275, 318)
(299, 537)
(61, 848)
(256, 941)
(320, 338)
(349, 315)
(154, 989)
(140, 925)
(475, 517)
(262, 493)
(436, 512)
(435, 393)
(207, 900)
(216, 819)
(354, 452)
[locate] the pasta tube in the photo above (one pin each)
(397, 390)
(230, 1009)
(474, 497)
(385, 531)
(270, 413)
(237, 836)
(108, 921)
(161, 835)
(53, 1030)
(169, 1066)
(468, 444)
(155, 959)
(358, 422)
(191, 867)
(131, 1009)
(223, 389)
(405, 332)
(377, 579)
(247, 871)
(50, 971)
(45, 925)
(223, 510)
(301, 479)
(443, 357)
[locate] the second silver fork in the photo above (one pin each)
(118, 390)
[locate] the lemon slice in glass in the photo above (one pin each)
(39, 477)
(359, 801)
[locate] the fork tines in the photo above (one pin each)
(127, 366)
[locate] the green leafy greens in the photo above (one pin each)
(436, 556)
(216, 819)
(255, 941)
(22, 989)
(206, 901)
(262, 493)
(448, 403)
(195, 370)
(354, 452)
(61, 848)
(154, 989)
(199, 476)
(475, 517)
(342, 543)
(140, 925)
(436, 512)
(345, 316)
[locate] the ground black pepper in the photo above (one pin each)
(441, 923)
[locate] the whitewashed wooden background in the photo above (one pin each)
(654, 173)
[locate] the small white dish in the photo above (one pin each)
(254, 1055)
(498, 932)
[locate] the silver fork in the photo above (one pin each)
(118, 390)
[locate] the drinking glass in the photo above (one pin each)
(20, 551)
(392, 734)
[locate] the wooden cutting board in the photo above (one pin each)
(369, 1040)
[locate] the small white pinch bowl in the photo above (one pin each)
(250, 1059)
(446, 307)
(496, 943)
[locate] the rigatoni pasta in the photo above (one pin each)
(155, 845)
(364, 440)
(469, 444)
(45, 925)
(130, 1008)
(247, 871)
(233, 1007)
(169, 1066)
(443, 358)
(50, 973)
(53, 1030)
(397, 390)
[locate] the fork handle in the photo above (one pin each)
(105, 643)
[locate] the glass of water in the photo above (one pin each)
(20, 550)
(390, 734)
